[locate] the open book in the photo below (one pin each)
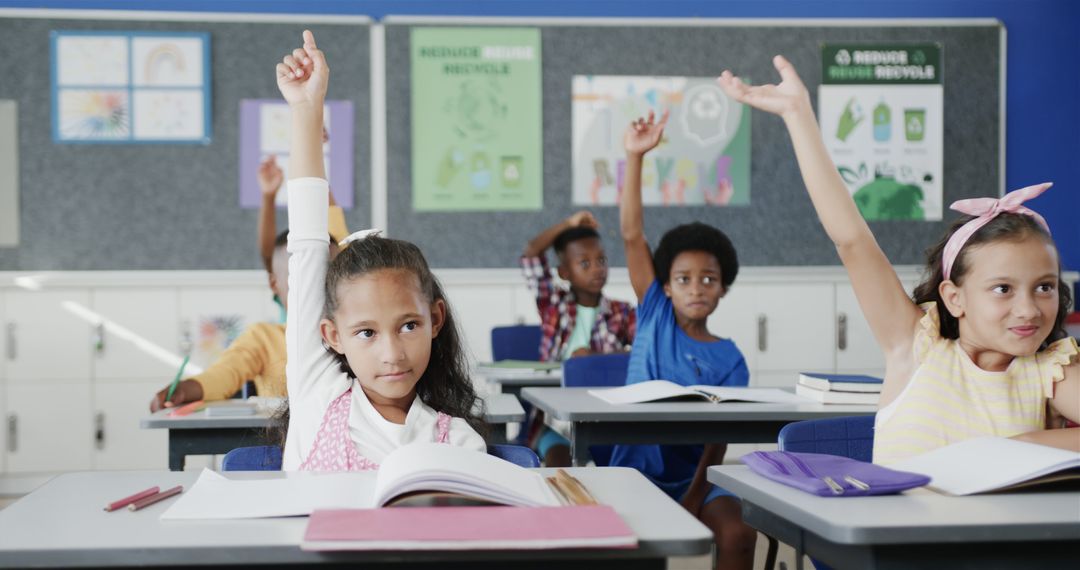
(406, 474)
(658, 390)
(985, 464)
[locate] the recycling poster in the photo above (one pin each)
(476, 119)
(881, 109)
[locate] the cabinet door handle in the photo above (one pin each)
(185, 338)
(99, 430)
(99, 339)
(13, 433)
(762, 333)
(11, 352)
(841, 331)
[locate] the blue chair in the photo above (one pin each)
(515, 342)
(268, 457)
(258, 458)
(846, 437)
(517, 454)
(597, 370)
(851, 437)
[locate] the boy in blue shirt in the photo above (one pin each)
(677, 289)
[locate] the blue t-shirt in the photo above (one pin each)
(662, 350)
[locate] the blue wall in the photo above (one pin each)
(1043, 93)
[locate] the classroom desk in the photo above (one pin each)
(917, 529)
(196, 434)
(513, 382)
(63, 524)
(594, 421)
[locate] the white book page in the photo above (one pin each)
(765, 395)
(986, 463)
(649, 391)
(298, 493)
(442, 467)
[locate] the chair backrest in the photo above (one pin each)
(596, 370)
(258, 458)
(268, 457)
(516, 454)
(515, 342)
(851, 436)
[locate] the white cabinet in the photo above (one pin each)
(857, 350)
(735, 318)
(50, 426)
(137, 336)
(48, 334)
(119, 442)
(478, 309)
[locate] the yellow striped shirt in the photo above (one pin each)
(950, 399)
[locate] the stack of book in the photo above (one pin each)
(839, 388)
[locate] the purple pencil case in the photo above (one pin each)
(831, 475)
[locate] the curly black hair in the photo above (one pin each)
(571, 235)
(696, 236)
(1006, 226)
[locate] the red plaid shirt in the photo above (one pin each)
(615, 323)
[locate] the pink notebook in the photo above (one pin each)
(467, 528)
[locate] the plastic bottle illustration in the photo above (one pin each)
(882, 122)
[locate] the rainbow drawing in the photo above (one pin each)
(162, 56)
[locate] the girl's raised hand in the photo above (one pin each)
(583, 218)
(302, 75)
(644, 134)
(785, 99)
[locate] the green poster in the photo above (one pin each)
(476, 119)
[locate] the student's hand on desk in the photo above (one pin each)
(302, 75)
(787, 98)
(270, 177)
(186, 391)
(644, 134)
(582, 352)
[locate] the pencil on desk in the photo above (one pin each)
(147, 501)
(577, 491)
(187, 409)
(115, 505)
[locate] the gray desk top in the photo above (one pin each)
(576, 404)
(501, 409)
(918, 516)
(63, 524)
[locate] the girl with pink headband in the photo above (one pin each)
(982, 348)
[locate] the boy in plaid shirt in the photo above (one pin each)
(579, 320)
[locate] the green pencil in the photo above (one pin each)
(176, 381)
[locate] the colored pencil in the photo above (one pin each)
(147, 501)
(128, 500)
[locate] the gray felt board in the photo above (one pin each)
(176, 206)
(779, 226)
(161, 206)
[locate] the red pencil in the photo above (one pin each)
(128, 500)
(145, 502)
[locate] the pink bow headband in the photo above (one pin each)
(986, 209)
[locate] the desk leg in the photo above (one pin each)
(177, 456)
(580, 440)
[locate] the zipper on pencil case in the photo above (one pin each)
(768, 459)
(835, 487)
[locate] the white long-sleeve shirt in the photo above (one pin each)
(313, 376)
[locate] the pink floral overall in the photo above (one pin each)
(334, 449)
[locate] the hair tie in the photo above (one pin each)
(986, 209)
(359, 236)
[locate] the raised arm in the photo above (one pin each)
(641, 136)
(891, 314)
(539, 244)
(302, 78)
(270, 177)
